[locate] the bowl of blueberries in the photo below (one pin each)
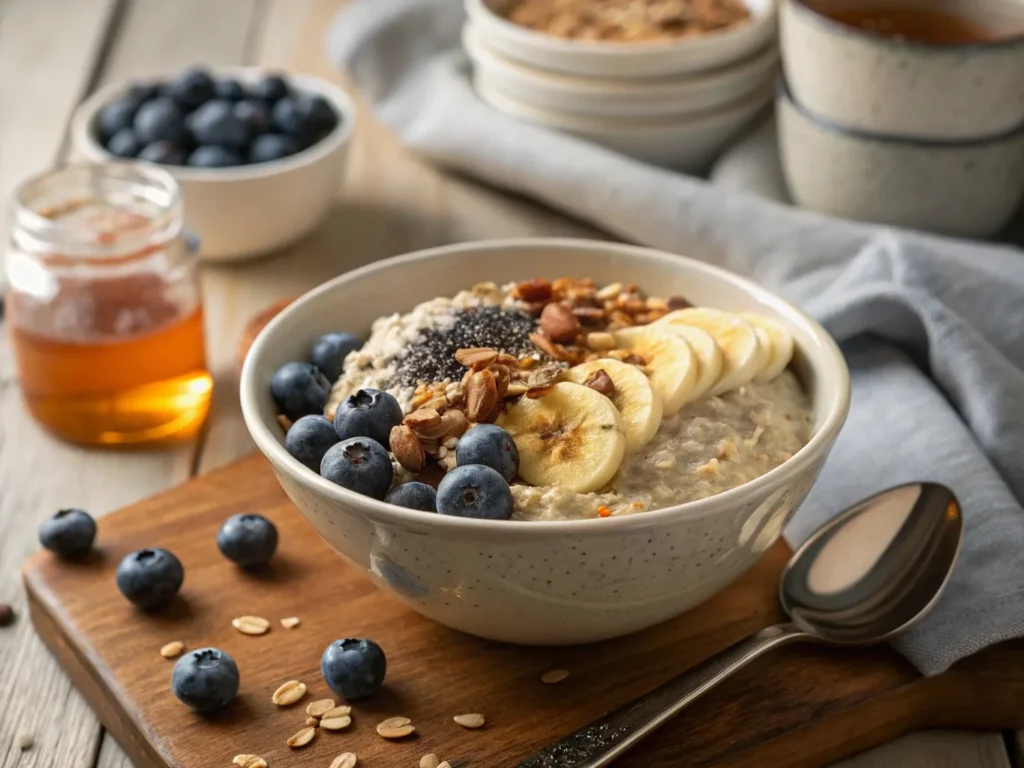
(259, 155)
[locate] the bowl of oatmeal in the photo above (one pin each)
(655, 422)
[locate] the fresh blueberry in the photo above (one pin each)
(139, 93)
(309, 439)
(474, 490)
(124, 144)
(205, 680)
(216, 123)
(159, 119)
(229, 89)
(299, 389)
(329, 352)
(413, 496)
(491, 446)
(69, 533)
(212, 156)
(318, 114)
(359, 464)
(163, 152)
(288, 117)
(354, 668)
(271, 89)
(192, 87)
(273, 146)
(253, 115)
(368, 413)
(116, 116)
(248, 540)
(150, 578)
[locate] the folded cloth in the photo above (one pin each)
(933, 328)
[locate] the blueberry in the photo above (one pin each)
(139, 93)
(329, 352)
(491, 446)
(116, 116)
(229, 89)
(247, 540)
(273, 146)
(288, 117)
(216, 123)
(205, 680)
(299, 389)
(163, 152)
(253, 115)
(309, 439)
(318, 114)
(368, 413)
(413, 496)
(124, 144)
(271, 88)
(192, 87)
(354, 668)
(474, 490)
(69, 533)
(359, 464)
(159, 119)
(212, 156)
(150, 578)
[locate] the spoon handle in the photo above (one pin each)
(599, 743)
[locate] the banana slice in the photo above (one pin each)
(709, 357)
(668, 360)
(634, 396)
(572, 436)
(742, 355)
(780, 343)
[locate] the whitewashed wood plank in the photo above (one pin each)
(936, 749)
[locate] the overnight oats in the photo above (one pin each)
(547, 401)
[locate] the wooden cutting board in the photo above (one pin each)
(801, 707)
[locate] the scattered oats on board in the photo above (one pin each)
(249, 761)
(344, 760)
(289, 693)
(172, 649)
(339, 711)
(251, 625)
(336, 723)
(430, 761)
(25, 741)
(395, 727)
(291, 622)
(445, 764)
(302, 738)
(470, 721)
(320, 707)
(553, 676)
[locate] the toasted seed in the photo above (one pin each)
(600, 340)
(407, 448)
(470, 721)
(291, 622)
(302, 738)
(251, 625)
(338, 711)
(610, 291)
(313, 722)
(423, 418)
(430, 761)
(544, 344)
(481, 395)
(345, 760)
(476, 357)
(395, 727)
(535, 393)
(515, 389)
(172, 649)
(284, 421)
(319, 707)
(553, 676)
(289, 693)
(335, 723)
(249, 761)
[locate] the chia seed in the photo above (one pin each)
(431, 357)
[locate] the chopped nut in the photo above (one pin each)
(476, 357)
(441, 451)
(339, 711)
(455, 424)
(395, 728)
(601, 340)
(291, 622)
(407, 448)
(502, 377)
(450, 443)
(618, 319)
(656, 304)
(509, 361)
(515, 389)
(544, 344)
(470, 721)
(249, 761)
(553, 676)
(535, 393)
(678, 302)
(481, 396)
(534, 290)
(313, 722)
(335, 723)
(320, 707)
(559, 323)
(711, 469)
(284, 421)
(546, 374)
(289, 693)
(422, 418)
(251, 625)
(172, 649)
(600, 381)
(527, 362)
(589, 315)
(430, 761)
(345, 760)
(610, 291)
(302, 738)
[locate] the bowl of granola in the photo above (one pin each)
(545, 441)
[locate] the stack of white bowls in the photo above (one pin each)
(675, 103)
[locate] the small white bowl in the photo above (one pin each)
(249, 210)
(544, 582)
(966, 188)
(606, 97)
(623, 59)
(688, 143)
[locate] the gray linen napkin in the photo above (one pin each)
(933, 328)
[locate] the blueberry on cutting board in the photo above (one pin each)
(69, 533)
(354, 668)
(150, 578)
(248, 540)
(206, 680)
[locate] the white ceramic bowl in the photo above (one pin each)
(893, 86)
(966, 189)
(252, 209)
(543, 582)
(615, 59)
(607, 97)
(688, 143)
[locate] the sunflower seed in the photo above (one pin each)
(320, 707)
(290, 623)
(302, 738)
(344, 760)
(395, 727)
(339, 711)
(336, 723)
(251, 625)
(172, 649)
(249, 761)
(430, 761)
(470, 721)
(289, 693)
(553, 676)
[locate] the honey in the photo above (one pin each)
(915, 24)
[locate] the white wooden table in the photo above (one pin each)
(54, 52)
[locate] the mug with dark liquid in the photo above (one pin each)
(103, 306)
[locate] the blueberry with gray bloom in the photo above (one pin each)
(205, 680)
(492, 446)
(310, 438)
(248, 540)
(330, 350)
(474, 490)
(353, 668)
(150, 578)
(159, 119)
(69, 533)
(413, 496)
(359, 464)
(368, 413)
(299, 389)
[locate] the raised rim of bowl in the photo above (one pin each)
(83, 137)
(836, 408)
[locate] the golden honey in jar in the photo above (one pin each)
(103, 306)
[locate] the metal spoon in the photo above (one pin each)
(865, 576)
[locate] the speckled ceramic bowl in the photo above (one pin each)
(544, 582)
(966, 188)
(880, 84)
